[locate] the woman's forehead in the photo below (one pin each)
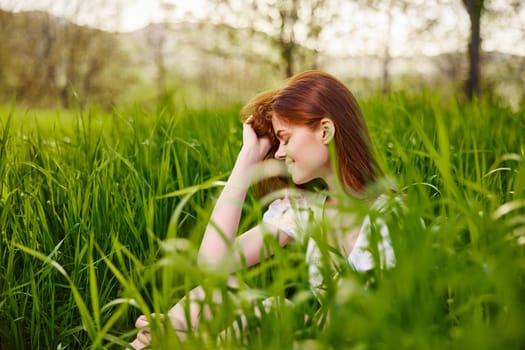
(278, 123)
(281, 119)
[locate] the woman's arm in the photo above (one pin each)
(250, 244)
(224, 221)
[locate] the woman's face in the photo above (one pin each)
(306, 156)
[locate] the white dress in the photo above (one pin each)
(295, 217)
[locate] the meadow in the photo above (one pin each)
(101, 213)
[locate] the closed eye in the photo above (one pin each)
(282, 136)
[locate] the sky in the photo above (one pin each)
(141, 12)
(368, 34)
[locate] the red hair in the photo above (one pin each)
(305, 99)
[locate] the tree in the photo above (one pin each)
(417, 17)
(6, 46)
(91, 66)
(156, 39)
(47, 60)
(292, 27)
(386, 8)
(475, 9)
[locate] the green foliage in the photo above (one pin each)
(49, 61)
(101, 215)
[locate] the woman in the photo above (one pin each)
(313, 125)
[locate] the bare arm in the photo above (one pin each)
(224, 222)
(250, 245)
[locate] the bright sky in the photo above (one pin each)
(119, 15)
(139, 13)
(367, 35)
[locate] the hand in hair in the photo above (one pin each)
(254, 148)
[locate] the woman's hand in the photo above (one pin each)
(143, 338)
(254, 148)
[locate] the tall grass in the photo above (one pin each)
(101, 218)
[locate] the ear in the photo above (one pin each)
(327, 130)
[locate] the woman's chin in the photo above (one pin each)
(300, 180)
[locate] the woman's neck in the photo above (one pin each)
(335, 188)
(332, 184)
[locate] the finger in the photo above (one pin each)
(247, 126)
(137, 344)
(142, 321)
(248, 132)
(266, 143)
(144, 336)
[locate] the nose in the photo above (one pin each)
(280, 153)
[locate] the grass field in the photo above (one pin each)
(101, 214)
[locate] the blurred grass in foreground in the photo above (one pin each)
(101, 215)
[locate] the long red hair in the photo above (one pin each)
(305, 99)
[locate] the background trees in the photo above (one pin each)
(50, 61)
(292, 27)
(238, 47)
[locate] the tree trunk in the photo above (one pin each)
(287, 54)
(385, 88)
(474, 9)
(287, 44)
